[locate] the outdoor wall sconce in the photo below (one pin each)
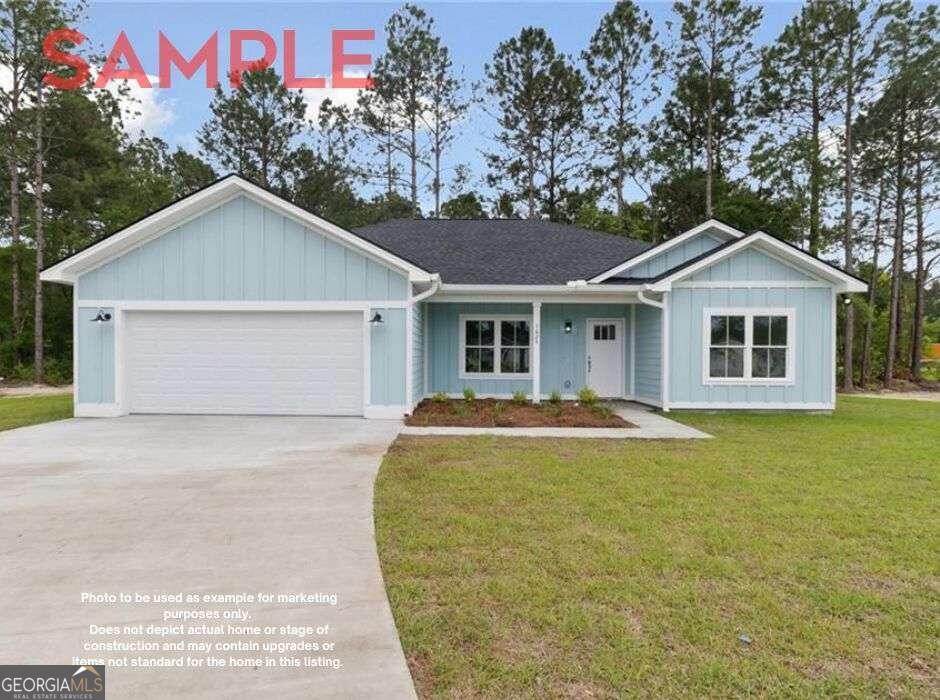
(568, 327)
(102, 317)
(376, 319)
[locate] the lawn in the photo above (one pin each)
(17, 411)
(793, 555)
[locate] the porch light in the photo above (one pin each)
(568, 327)
(102, 317)
(376, 319)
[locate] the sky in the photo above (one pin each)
(472, 31)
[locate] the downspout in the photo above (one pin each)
(435, 286)
(664, 352)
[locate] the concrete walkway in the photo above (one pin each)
(197, 505)
(649, 426)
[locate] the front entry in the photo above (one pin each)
(605, 361)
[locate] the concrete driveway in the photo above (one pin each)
(199, 505)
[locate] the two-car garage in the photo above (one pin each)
(244, 362)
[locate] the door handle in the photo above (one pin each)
(589, 364)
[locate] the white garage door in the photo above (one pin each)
(306, 363)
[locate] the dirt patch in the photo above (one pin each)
(487, 413)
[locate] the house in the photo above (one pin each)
(233, 300)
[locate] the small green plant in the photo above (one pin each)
(498, 409)
(587, 396)
(469, 394)
(554, 397)
(439, 397)
(602, 411)
(519, 398)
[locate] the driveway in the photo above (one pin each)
(199, 505)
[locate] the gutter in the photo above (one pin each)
(435, 286)
(641, 295)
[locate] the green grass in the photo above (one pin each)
(17, 411)
(605, 568)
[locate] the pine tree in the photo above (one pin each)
(715, 39)
(253, 128)
(622, 61)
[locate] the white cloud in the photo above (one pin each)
(347, 97)
(144, 110)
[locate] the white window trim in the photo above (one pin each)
(497, 347)
(749, 313)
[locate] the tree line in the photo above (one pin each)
(825, 137)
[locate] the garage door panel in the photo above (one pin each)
(235, 362)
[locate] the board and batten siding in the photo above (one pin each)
(813, 372)
(243, 251)
(649, 352)
(240, 251)
(444, 350)
(94, 379)
(667, 260)
(747, 266)
(564, 355)
(417, 354)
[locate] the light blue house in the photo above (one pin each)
(233, 300)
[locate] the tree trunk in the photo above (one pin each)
(13, 136)
(413, 155)
(917, 335)
(709, 146)
(814, 170)
(894, 319)
(872, 286)
(848, 236)
(38, 334)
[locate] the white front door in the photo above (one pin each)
(605, 356)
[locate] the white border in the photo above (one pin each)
(749, 313)
(745, 406)
(588, 338)
(495, 374)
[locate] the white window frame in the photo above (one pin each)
(749, 313)
(497, 373)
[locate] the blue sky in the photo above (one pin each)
(472, 30)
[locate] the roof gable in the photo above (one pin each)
(769, 260)
(242, 250)
(677, 250)
(197, 204)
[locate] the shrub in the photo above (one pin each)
(498, 409)
(469, 394)
(587, 396)
(519, 398)
(554, 397)
(439, 397)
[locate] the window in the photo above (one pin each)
(495, 345)
(748, 346)
(605, 332)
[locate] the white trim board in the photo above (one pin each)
(656, 250)
(173, 215)
(747, 406)
(259, 306)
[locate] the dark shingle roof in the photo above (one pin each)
(502, 251)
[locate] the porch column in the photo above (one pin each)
(535, 363)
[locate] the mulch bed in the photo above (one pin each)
(488, 413)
